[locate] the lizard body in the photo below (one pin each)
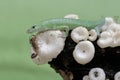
(65, 24)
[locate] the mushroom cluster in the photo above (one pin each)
(81, 33)
(110, 34)
(47, 45)
(99, 74)
(80, 51)
(84, 50)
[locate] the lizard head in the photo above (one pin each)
(33, 29)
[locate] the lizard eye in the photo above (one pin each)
(33, 26)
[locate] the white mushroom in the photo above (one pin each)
(86, 77)
(110, 37)
(97, 74)
(34, 56)
(117, 76)
(92, 35)
(84, 52)
(37, 59)
(116, 39)
(79, 33)
(108, 22)
(105, 39)
(114, 27)
(50, 44)
(72, 16)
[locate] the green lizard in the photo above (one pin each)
(65, 24)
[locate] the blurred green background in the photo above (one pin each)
(16, 16)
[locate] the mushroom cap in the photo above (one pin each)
(97, 74)
(105, 39)
(72, 16)
(115, 39)
(92, 35)
(114, 27)
(117, 76)
(86, 77)
(84, 52)
(49, 45)
(37, 59)
(79, 33)
(108, 22)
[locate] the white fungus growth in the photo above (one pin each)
(37, 59)
(79, 33)
(117, 76)
(72, 16)
(108, 22)
(114, 27)
(86, 77)
(105, 39)
(50, 44)
(84, 52)
(97, 74)
(92, 35)
(110, 35)
(115, 40)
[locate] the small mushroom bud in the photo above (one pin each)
(117, 76)
(72, 16)
(97, 74)
(86, 77)
(80, 33)
(105, 39)
(92, 35)
(108, 22)
(84, 52)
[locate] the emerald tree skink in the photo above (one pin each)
(65, 24)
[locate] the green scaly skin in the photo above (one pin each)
(65, 24)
